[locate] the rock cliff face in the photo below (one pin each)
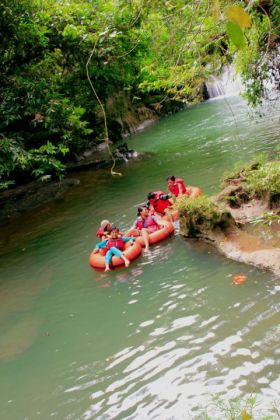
(127, 114)
(229, 222)
(125, 117)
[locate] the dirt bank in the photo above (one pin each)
(242, 225)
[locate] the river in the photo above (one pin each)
(156, 340)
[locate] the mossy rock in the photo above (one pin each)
(200, 216)
(259, 179)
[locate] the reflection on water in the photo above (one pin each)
(184, 355)
(157, 339)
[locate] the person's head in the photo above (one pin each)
(170, 180)
(115, 232)
(151, 196)
(142, 211)
(106, 225)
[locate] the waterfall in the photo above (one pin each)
(227, 84)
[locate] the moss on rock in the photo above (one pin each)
(199, 216)
(259, 179)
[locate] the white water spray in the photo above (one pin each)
(227, 84)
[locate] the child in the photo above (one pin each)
(114, 246)
(104, 230)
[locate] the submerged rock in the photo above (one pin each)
(18, 200)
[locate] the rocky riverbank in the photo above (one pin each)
(243, 221)
(124, 119)
(17, 201)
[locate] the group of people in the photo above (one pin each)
(150, 218)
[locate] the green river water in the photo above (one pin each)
(156, 340)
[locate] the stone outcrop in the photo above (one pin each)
(234, 243)
(226, 223)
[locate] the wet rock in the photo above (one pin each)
(225, 221)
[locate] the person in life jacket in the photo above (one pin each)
(104, 230)
(113, 246)
(159, 202)
(177, 187)
(145, 224)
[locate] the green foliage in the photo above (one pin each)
(44, 94)
(236, 35)
(202, 205)
(259, 179)
(246, 408)
(166, 49)
(200, 215)
(45, 163)
(264, 179)
(12, 156)
(42, 162)
(241, 168)
(267, 218)
(237, 408)
(179, 58)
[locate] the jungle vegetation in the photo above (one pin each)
(62, 61)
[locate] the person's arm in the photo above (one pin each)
(128, 239)
(155, 220)
(180, 188)
(130, 230)
(101, 244)
(165, 197)
(151, 209)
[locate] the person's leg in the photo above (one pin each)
(168, 216)
(163, 223)
(132, 232)
(118, 253)
(108, 259)
(126, 260)
(145, 234)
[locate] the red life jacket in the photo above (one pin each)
(100, 232)
(174, 189)
(146, 223)
(117, 243)
(159, 204)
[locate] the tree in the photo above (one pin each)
(153, 50)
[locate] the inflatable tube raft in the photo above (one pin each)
(97, 261)
(158, 235)
(193, 191)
